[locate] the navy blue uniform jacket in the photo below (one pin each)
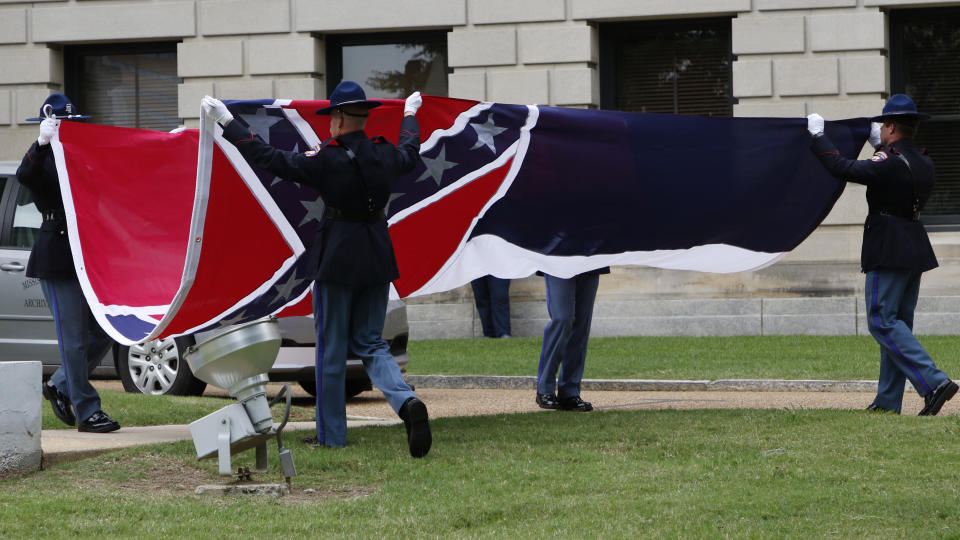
(51, 257)
(891, 238)
(346, 252)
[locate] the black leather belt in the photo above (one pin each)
(357, 216)
(53, 215)
(902, 215)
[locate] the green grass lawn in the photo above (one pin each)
(774, 357)
(608, 474)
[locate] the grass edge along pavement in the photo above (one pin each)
(844, 358)
(639, 473)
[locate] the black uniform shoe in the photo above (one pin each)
(99, 422)
(548, 401)
(934, 400)
(415, 419)
(575, 404)
(876, 408)
(60, 404)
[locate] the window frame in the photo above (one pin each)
(8, 195)
(898, 81)
(612, 32)
(335, 42)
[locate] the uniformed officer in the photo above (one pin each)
(564, 354)
(896, 249)
(82, 342)
(354, 175)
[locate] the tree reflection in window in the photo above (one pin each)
(426, 61)
(391, 66)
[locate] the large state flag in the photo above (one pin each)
(174, 233)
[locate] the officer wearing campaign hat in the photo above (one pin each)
(896, 250)
(349, 95)
(58, 107)
(82, 342)
(354, 256)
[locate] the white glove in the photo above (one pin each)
(815, 124)
(875, 134)
(216, 109)
(412, 104)
(47, 129)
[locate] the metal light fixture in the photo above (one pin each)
(238, 361)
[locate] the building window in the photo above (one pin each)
(924, 64)
(129, 85)
(389, 65)
(676, 67)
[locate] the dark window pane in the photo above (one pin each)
(940, 138)
(397, 70)
(120, 88)
(925, 65)
(678, 67)
(390, 65)
(930, 61)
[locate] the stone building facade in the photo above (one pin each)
(789, 58)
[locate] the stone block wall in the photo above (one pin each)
(693, 317)
(531, 52)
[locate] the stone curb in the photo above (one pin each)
(646, 385)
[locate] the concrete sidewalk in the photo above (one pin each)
(476, 395)
(62, 444)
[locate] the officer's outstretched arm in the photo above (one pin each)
(860, 171)
(408, 147)
(293, 166)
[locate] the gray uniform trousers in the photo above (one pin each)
(570, 305)
(891, 298)
(82, 344)
(349, 318)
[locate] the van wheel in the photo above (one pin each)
(352, 389)
(158, 367)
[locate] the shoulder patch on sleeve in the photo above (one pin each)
(313, 151)
(879, 156)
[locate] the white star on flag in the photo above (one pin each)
(260, 123)
(436, 166)
(314, 211)
(485, 134)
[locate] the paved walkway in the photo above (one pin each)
(62, 444)
(448, 396)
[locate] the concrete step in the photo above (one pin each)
(839, 315)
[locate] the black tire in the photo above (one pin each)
(356, 386)
(158, 368)
(352, 389)
(309, 387)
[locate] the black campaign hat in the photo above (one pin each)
(902, 106)
(60, 107)
(348, 93)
